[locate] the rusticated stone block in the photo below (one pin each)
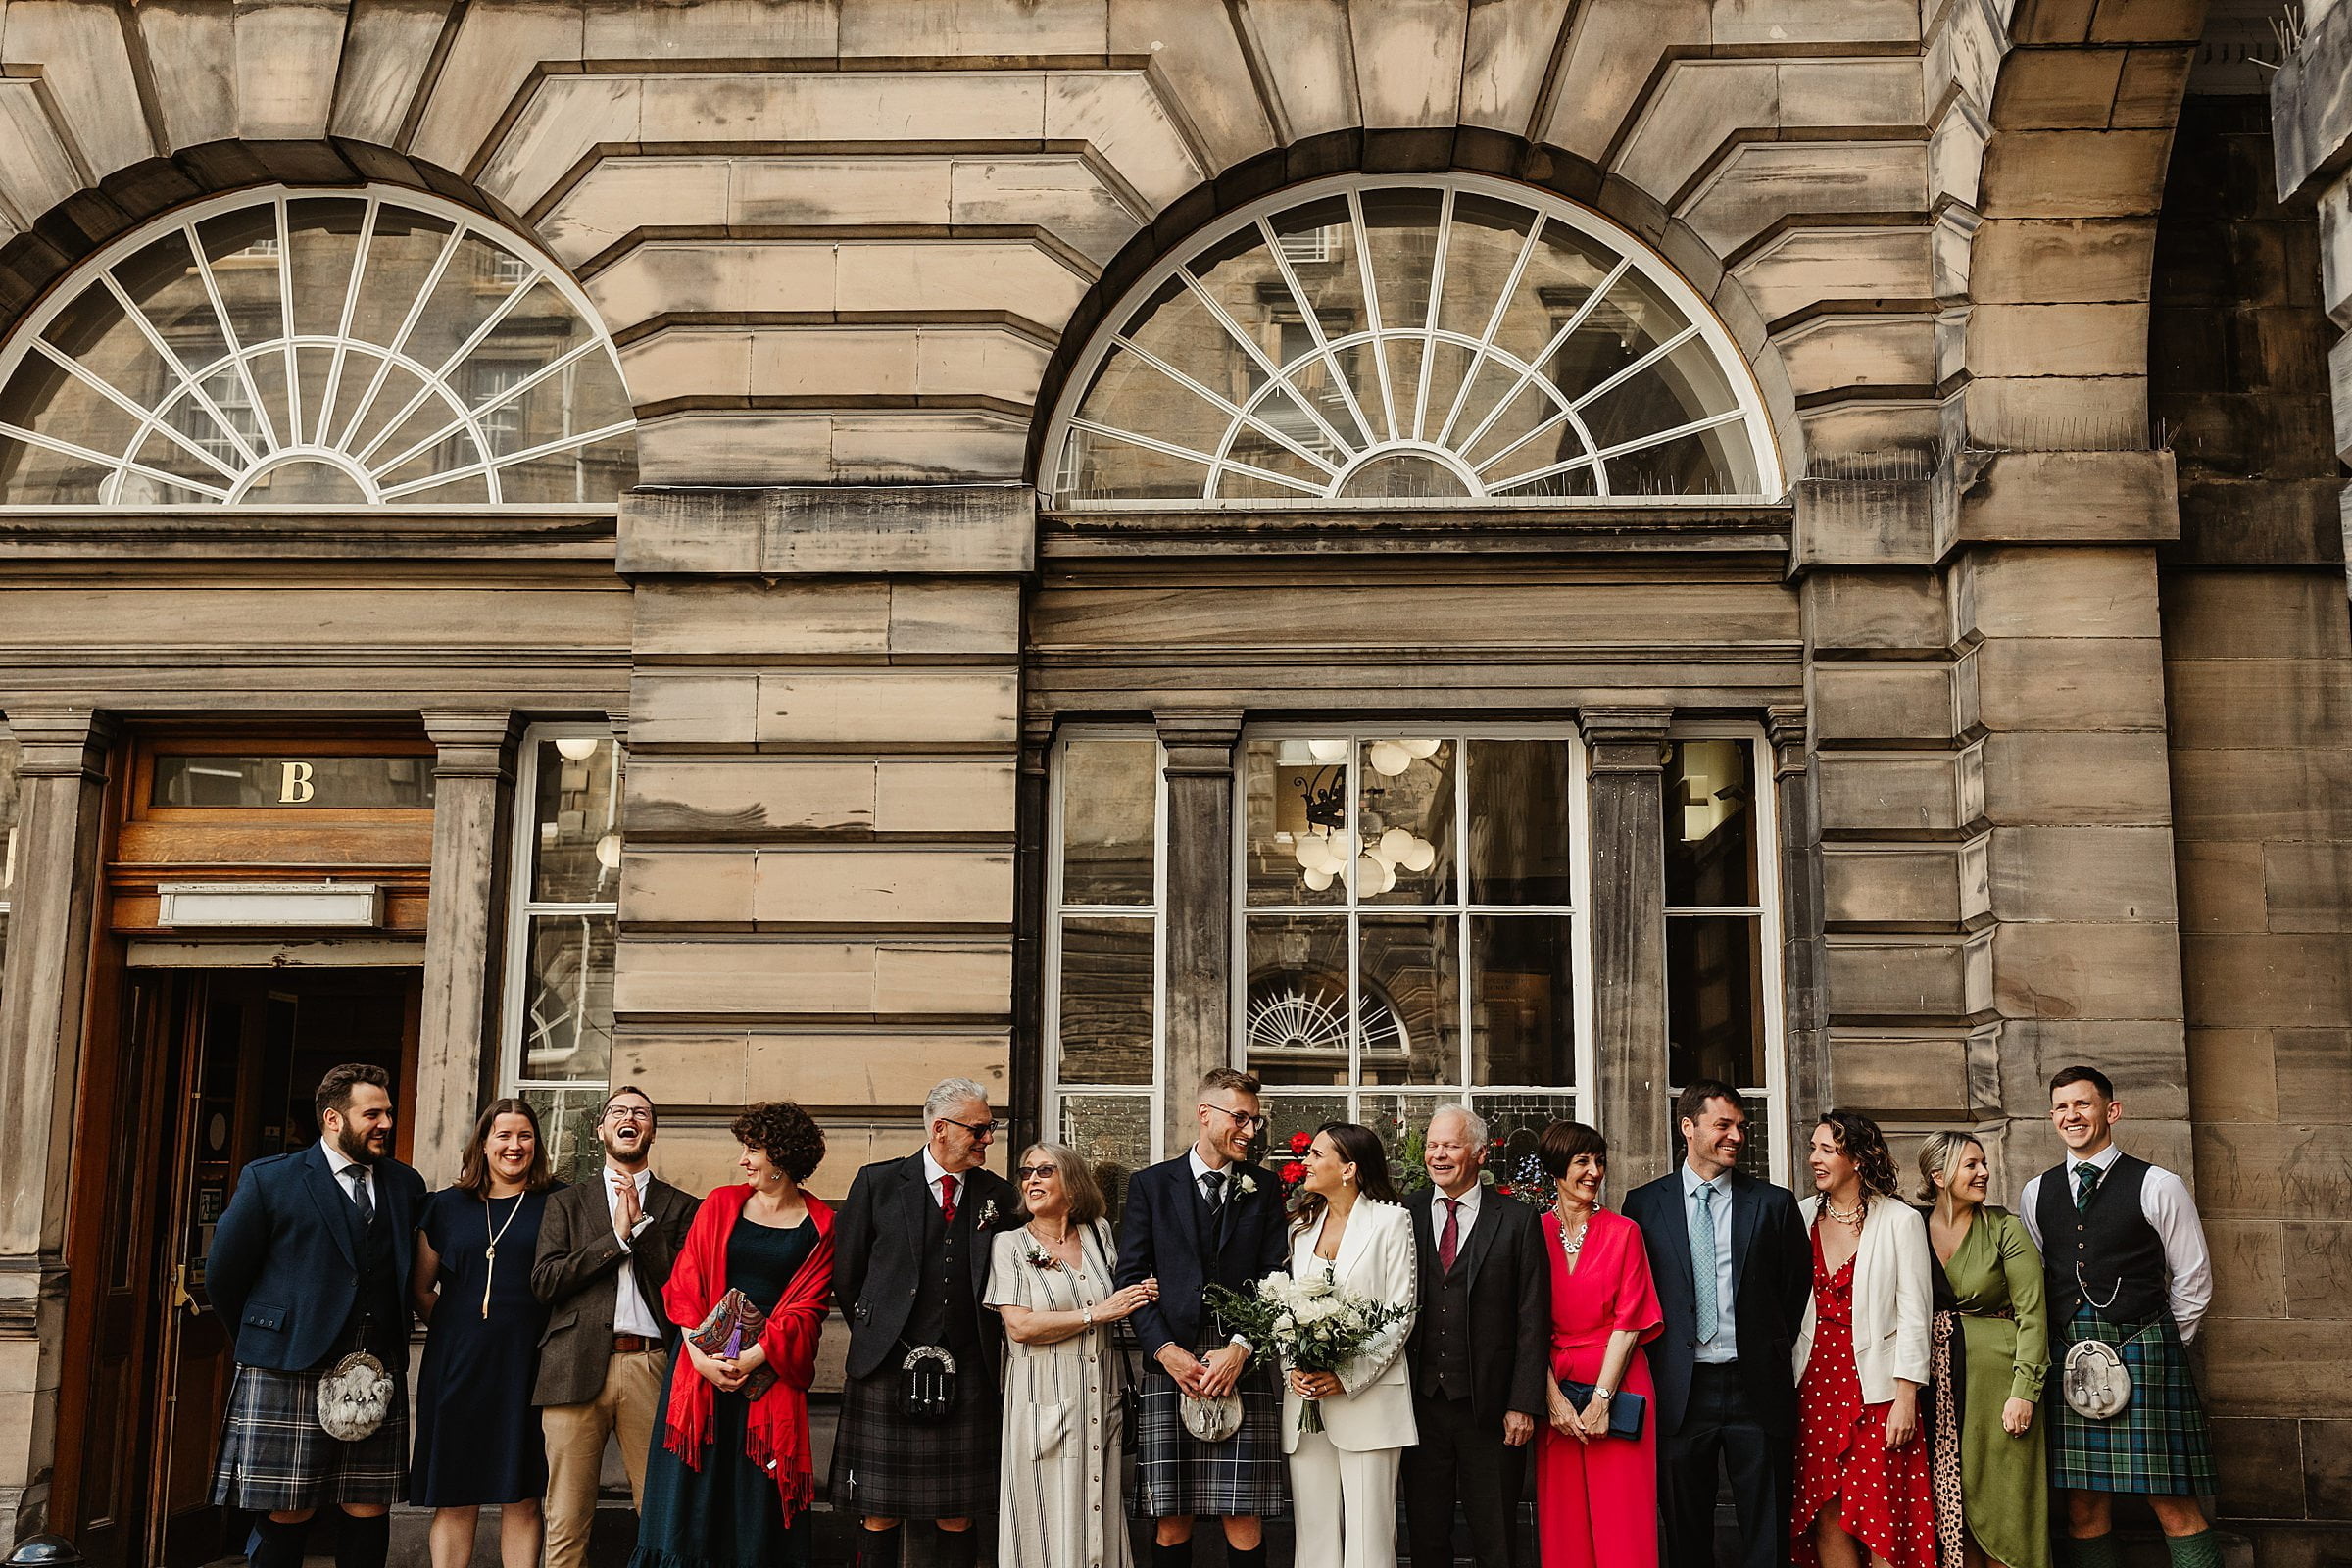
(1900, 792)
(863, 1072)
(1902, 701)
(2083, 873)
(1890, 612)
(1912, 884)
(1922, 976)
(2071, 683)
(2280, 981)
(2073, 969)
(2118, 779)
(2287, 1172)
(2232, 1076)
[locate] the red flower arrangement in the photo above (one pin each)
(1293, 1173)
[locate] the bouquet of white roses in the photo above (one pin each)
(1308, 1325)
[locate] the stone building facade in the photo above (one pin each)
(1518, 548)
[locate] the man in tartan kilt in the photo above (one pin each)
(309, 1263)
(911, 1264)
(1207, 1217)
(2125, 1263)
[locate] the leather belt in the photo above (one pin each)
(633, 1343)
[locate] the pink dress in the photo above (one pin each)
(1597, 1502)
(1881, 1495)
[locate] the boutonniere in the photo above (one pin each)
(988, 1212)
(1247, 1183)
(1040, 1259)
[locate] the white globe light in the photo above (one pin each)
(1396, 844)
(1418, 855)
(1372, 876)
(1318, 879)
(577, 747)
(1387, 758)
(607, 852)
(1307, 852)
(1327, 750)
(1419, 748)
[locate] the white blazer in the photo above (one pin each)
(1376, 1259)
(1894, 1298)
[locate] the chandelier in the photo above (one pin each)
(1322, 843)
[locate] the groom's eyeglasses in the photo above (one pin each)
(1241, 1118)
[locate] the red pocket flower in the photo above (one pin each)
(1292, 1174)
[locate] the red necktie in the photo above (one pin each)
(1452, 1240)
(947, 1199)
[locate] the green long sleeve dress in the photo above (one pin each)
(1993, 1283)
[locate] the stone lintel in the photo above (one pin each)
(786, 529)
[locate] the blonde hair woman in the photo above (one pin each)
(1991, 1351)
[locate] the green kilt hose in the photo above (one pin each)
(275, 1457)
(1245, 1476)
(2157, 1445)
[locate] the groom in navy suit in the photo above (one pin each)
(309, 1263)
(1733, 1270)
(1209, 1216)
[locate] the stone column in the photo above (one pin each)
(1197, 907)
(54, 898)
(474, 789)
(1628, 913)
(1803, 992)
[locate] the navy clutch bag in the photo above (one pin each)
(1625, 1409)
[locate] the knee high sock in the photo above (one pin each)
(954, 1549)
(879, 1548)
(1179, 1555)
(276, 1546)
(2090, 1551)
(1245, 1557)
(363, 1542)
(2200, 1550)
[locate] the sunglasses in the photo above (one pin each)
(978, 1129)
(1022, 1173)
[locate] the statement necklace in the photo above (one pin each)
(1847, 1217)
(1570, 1247)
(490, 1252)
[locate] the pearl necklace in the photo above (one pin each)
(1847, 1217)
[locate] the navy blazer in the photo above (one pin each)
(284, 1268)
(1168, 1233)
(1772, 1280)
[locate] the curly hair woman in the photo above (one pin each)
(1862, 1478)
(730, 1478)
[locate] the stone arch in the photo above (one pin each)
(1544, 171)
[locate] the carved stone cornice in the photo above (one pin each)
(473, 743)
(1788, 729)
(62, 741)
(1625, 740)
(1199, 745)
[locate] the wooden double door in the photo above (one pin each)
(215, 1068)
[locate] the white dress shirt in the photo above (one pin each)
(2165, 1203)
(340, 1163)
(629, 1313)
(1464, 1217)
(1724, 1347)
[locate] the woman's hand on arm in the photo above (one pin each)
(1564, 1418)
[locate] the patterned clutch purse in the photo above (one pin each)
(732, 1328)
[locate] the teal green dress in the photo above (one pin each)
(727, 1514)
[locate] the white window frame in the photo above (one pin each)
(1154, 1091)
(522, 910)
(1577, 912)
(1774, 1091)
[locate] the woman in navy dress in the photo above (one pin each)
(477, 1433)
(730, 1480)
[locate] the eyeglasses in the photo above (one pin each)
(628, 1113)
(1022, 1173)
(978, 1129)
(1241, 1118)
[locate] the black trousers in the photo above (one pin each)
(1721, 1427)
(1459, 1459)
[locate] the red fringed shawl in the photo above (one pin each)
(776, 1425)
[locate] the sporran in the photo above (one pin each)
(355, 1398)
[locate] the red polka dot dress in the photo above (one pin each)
(1883, 1495)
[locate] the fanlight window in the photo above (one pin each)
(1429, 339)
(315, 350)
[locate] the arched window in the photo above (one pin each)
(274, 347)
(1431, 338)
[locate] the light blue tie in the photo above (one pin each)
(1702, 1258)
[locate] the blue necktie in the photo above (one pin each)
(1702, 1259)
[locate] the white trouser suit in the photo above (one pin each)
(1343, 1478)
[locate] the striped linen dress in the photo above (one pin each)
(1060, 1493)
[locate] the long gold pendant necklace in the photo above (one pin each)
(490, 1252)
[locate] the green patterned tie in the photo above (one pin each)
(2087, 1181)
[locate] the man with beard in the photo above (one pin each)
(604, 1253)
(309, 1264)
(1480, 1348)
(915, 1457)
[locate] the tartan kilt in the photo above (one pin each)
(1246, 1476)
(276, 1456)
(893, 1467)
(2158, 1444)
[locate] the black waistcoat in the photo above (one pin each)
(1445, 1333)
(377, 1318)
(2107, 1249)
(945, 1311)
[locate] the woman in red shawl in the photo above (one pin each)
(728, 1483)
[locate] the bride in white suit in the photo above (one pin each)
(1351, 1228)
